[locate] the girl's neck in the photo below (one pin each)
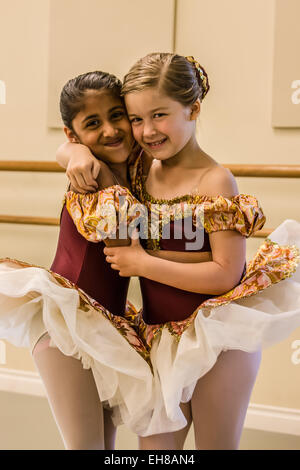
(189, 157)
(120, 172)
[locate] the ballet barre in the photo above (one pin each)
(256, 171)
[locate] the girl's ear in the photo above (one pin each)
(195, 110)
(71, 136)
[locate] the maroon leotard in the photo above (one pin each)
(163, 303)
(83, 263)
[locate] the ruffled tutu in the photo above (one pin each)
(80, 327)
(259, 313)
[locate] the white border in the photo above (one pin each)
(262, 417)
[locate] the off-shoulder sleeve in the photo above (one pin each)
(98, 215)
(241, 212)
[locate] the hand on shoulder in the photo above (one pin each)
(82, 168)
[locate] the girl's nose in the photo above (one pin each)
(109, 130)
(148, 130)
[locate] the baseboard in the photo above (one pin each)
(273, 419)
(261, 417)
(20, 381)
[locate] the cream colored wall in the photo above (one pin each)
(24, 136)
(234, 42)
(286, 69)
(115, 38)
(33, 76)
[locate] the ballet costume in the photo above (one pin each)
(183, 331)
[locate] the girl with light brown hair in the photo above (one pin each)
(207, 313)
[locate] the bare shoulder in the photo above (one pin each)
(219, 181)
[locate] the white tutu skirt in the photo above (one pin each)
(249, 324)
(32, 296)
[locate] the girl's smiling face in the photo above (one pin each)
(103, 126)
(161, 125)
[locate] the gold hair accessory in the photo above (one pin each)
(201, 75)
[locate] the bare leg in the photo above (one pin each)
(221, 399)
(72, 396)
(170, 440)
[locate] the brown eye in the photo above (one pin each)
(118, 115)
(93, 123)
(135, 120)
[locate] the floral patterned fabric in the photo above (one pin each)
(214, 213)
(97, 215)
(242, 213)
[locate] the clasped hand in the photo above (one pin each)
(128, 260)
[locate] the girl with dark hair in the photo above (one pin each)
(74, 316)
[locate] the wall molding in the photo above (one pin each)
(262, 417)
(273, 419)
(21, 381)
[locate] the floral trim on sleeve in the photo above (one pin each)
(214, 213)
(98, 215)
(241, 212)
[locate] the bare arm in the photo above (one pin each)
(210, 277)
